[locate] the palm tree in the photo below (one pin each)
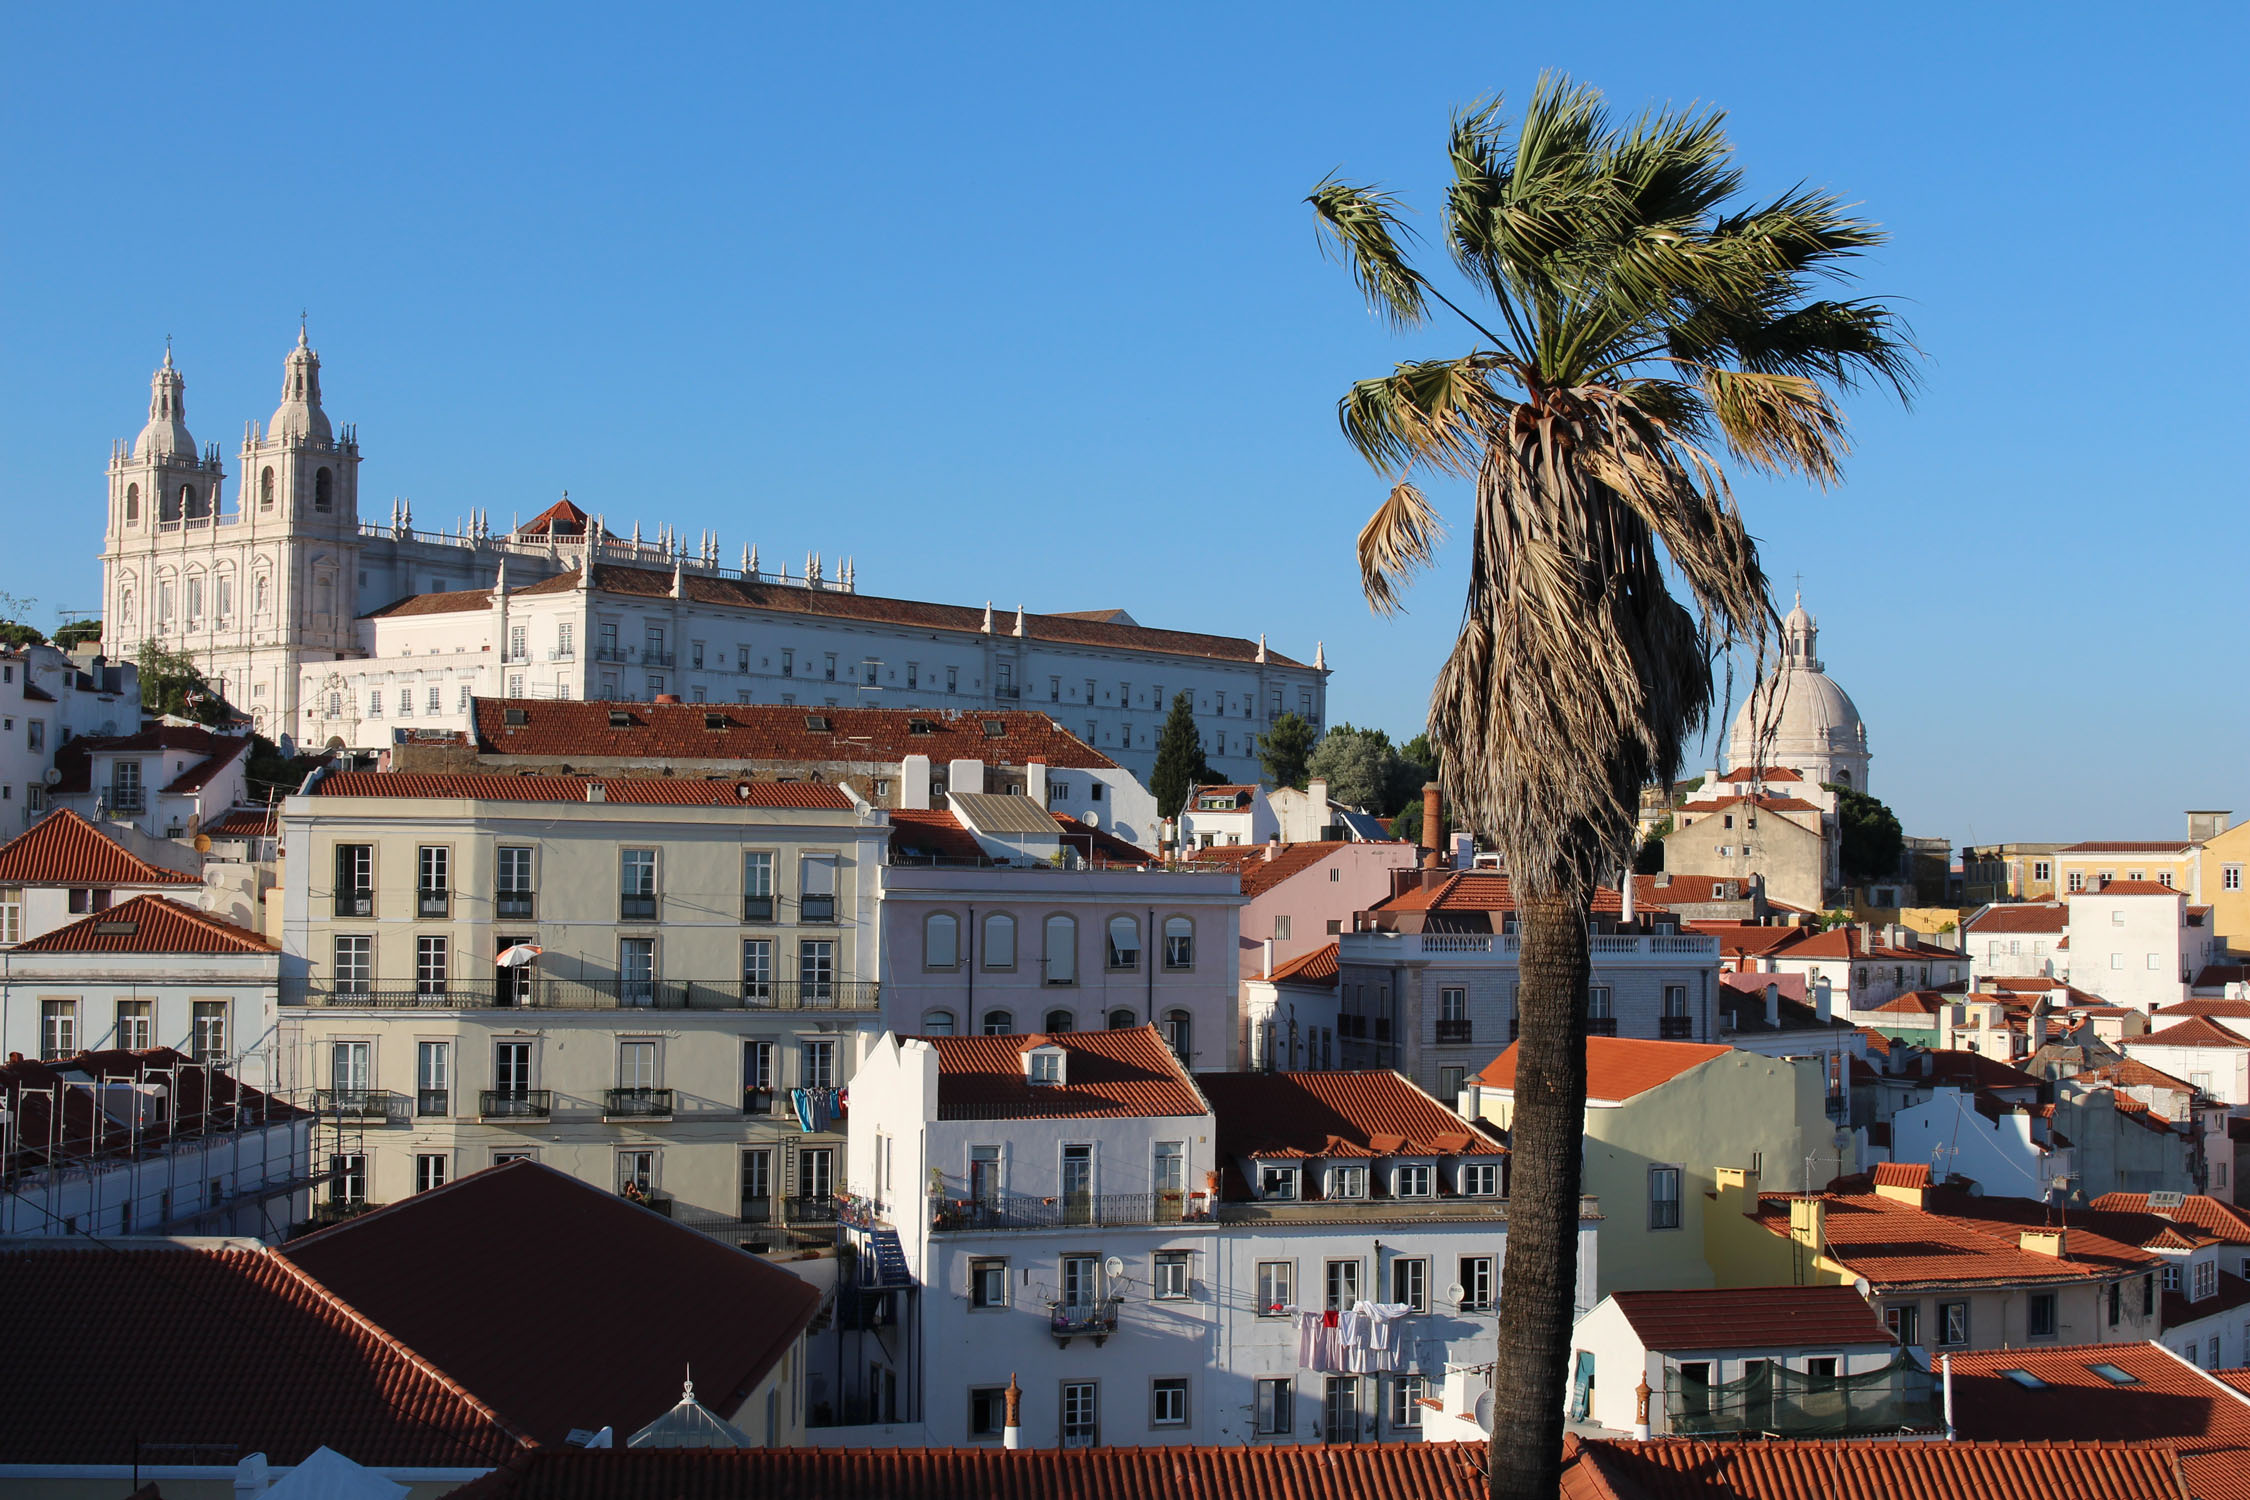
(1639, 320)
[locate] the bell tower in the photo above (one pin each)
(163, 500)
(300, 490)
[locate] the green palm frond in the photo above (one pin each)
(1426, 413)
(1362, 228)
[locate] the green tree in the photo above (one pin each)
(171, 683)
(14, 633)
(1650, 859)
(1363, 769)
(1872, 843)
(1284, 750)
(1407, 826)
(1420, 752)
(1179, 759)
(1641, 318)
(70, 635)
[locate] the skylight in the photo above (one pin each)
(2026, 1379)
(2114, 1375)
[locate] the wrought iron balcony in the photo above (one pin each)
(757, 908)
(1097, 1319)
(1601, 1026)
(631, 908)
(819, 1209)
(355, 903)
(516, 1104)
(637, 1104)
(379, 1105)
(430, 902)
(336, 1212)
(816, 908)
(519, 991)
(1452, 1031)
(1676, 1028)
(953, 1209)
(433, 1102)
(513, 904)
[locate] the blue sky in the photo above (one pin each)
(1020, 304)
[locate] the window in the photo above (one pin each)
(816, 888)
(512, 883)
(429, 1170)
(1124, 944)
(819, 1060)
(998, 1023)
(999, 941)
(1081, 1427)
(1480, 1180)
(1179, 943)
(1169, 1282)
(757, 886)
(1277, 1287)
(937, 1021)
(349, 1185)
(354, 969)
(1168, 1402)
(1277, 1182)
(941, 941)
(1953, 1324)
(1062, 950)
(1411, 1182)
(636, 1174)
(58, 1029)
(2206, 1280)
(430, 955)
(1274, 1402)
(433, 890)
(1476, 1282)
(2171, 1277)
(757, 968)
(816, 971)
(1281, 929)
(757, 1185)
(636, 885)
(11, 915)
(1663, 1197)
(433, 1078)
(1343, 1285)
(134, 1025)
(2077, 881)
(1904, 1320)
(1410, 1284)
(988, 1283)
(988, 1411)
(125, 786)
(2230, 877)
(1339, 1408)
(636, 971)
(2040, 1319)
(1347, 1182)
(757, 1077)
(1406, 1402)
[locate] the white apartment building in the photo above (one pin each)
(1143, 1250)
(2138, 943)
(166, 780)
(148, 1141)
(698, 998)
(2021, 940)
(63, 868)
(1427, 980)
(47, 699)
(319, 626)
(147, 972)
(992, 931)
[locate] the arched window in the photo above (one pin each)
(1124, 943)
(1179, 943)
(997, 1023)
(937, 1023)
(1122, 1019)
(265, 489)
(168, 506)
(1176, 1033)
(1062, 950)
(941, 940)
(132, 504)
(1843, 778)
(999, 941)
(324, 489)
(197, 503)
(1061, 1020)
(194, 600)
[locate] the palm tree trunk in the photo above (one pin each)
(1539, 1282)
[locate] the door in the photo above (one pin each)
(511, 1077)
(513, 986)
(350, 1066)
(1078, 1184)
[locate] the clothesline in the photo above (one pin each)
(1351, 1341)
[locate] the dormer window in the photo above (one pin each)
(1347, 1182)
(1480, 1180)
(1043, 1065)
(1411, 1182)
(2206, 1279)
(1277, 1181)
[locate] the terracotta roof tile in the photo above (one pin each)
(1912, 1003)
(1661, 892)
(64, 849)
(2195, 1031)
(2128, 846)
(149, 924)
(1122, 1074)
(641, 791)
(559, 519)
(1770, 773)
(1913, 1174)
(927, 833)
(1801, 1469)
(2030, 916)
(542, 1343)
(1476, 891)
(1765, 803)
(1334, 1114)
(245, 823)
(1956, 1238)
(1821, 1316)
(1260, 874)
(74, 761)
(237, 1347)
(1617, 1067)
(2213, 976)
(776, 732)
(2136, 888)
(2214, 1217)
(449, 602)
(1322, 967)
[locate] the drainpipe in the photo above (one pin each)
(969, 947)
(1946, 1360)
(1148, 958)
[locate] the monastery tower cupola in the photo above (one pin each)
(166, 435)
(299, 416)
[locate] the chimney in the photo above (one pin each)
(1808, 1222)
(1268, 945)
(596, 792)
(1625, 894)
(1316, 792)
(1433, 822)
(1011, 1435)
(1273, 847)
(914, 782)
(1035, 781)
(1946, 1360)
(251, 1477)
(2054, 1242)
(1640, 1410)
(1773, 1006)
(1823, 1000)
(666, 698)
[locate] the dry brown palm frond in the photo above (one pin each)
(1777, 422)
(1399, 540)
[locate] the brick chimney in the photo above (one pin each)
(1433, 825)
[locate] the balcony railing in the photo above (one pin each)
(355, 903)
(429, 1102)
(610, 654)
(1675, 1028)
(1025, 1211)
(513, 904)
(516, 1104)
(819, 1209)
(433, 903)
(652, 657)
(757, 908)
(1601, 1026)
(1097, 1320)
(816, 908)
(1452, 1031)
(338, 1212)
(362, 1104)
(637, 1104)
(636, 908)
(517, 992)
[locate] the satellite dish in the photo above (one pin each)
(203, 843)
(1454, 1292)
(1863, 1286)
(1092, 819)
(1484, 1412)
(52, 776)
(1115, 1266)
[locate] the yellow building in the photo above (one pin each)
(2221, 860)
(2008, 872)
(2090, 866)
(1658, 1115)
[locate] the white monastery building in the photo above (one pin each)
(323, 628)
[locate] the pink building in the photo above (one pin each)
(1303, 895)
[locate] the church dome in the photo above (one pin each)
(1816, 728)
(166, 435)
(299, 416)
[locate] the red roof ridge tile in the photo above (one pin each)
(63, 848)
(86, 936)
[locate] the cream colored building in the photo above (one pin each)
(703, 946)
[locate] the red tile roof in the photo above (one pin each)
(1119, 1074)
(2212, 976)
(1471, 890)
(2137, 888)
(640, 791)
(1749, 939)
(245, 823)
(1260, 874)
(1973, 1070)
(1281, 1471)
(1776, 1316)
(1617, 1067)
(2195, 1031)
(1334, 1114)
(2128, 846)
(922, 833)
(1907, 1174)
(652, 583)
(1766, 803)
(75, 761)
(1912, 1003)
(200, 775)
(448, 602)
(1770, 773)
(149, 924)
(198, 1100)
(2039, 916)
(1689, 890)
(559, 519)
(1322, 967)
(2219, 1219)
(1845, 943)
(1805, 1469)
(233, 1347)
(64, 849)
(1099, 846)
(1956, 1239)
(777, 732)
(591, 1309)
(2129, 1073)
